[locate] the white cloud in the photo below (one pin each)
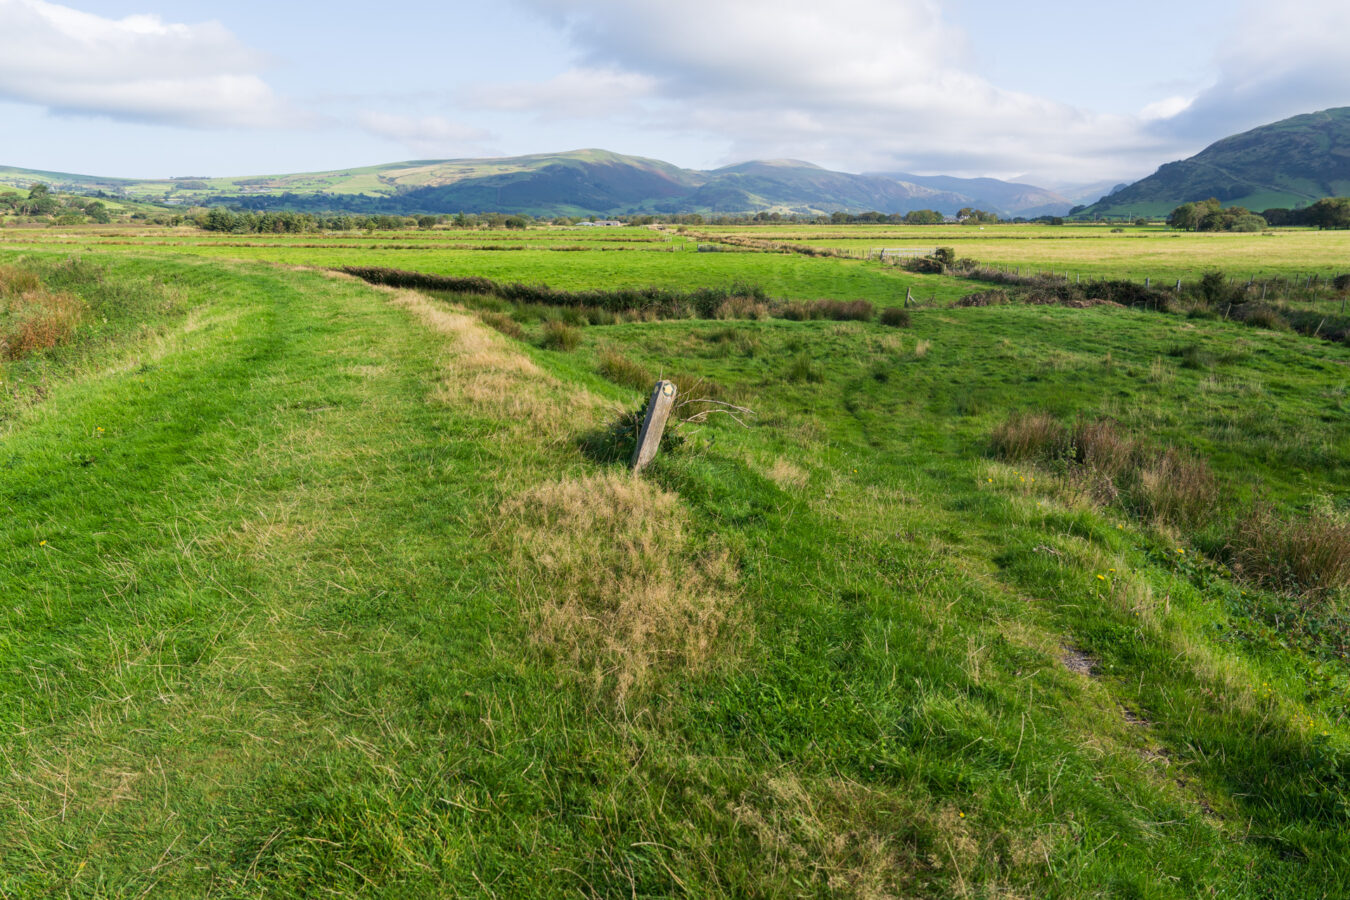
(576, 93)
(858, 84)
(426, 135)
(892, 85)
(1167, 108)
(1283, 60)
(139, 68)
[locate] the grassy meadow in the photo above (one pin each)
(317, 588)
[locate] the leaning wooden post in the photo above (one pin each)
(658, 410)
(909, 297)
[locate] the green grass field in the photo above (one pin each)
(319, 589)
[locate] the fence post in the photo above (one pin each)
(649, 438)
(909, 297)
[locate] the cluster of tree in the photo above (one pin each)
(40, 203)
(1211, 215)
(238, 221)
(967, 216)
(970, 216)
(1331, 212)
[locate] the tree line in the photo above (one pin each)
(1211, 215)
(65, 209)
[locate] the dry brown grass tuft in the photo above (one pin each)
(34, 319)
(15, 282)
(486, 372)
(1102, 448)
(1311, 556)
(809, 830)
(503, 323)
(742, 308)
(858, 842)
(619, 369)
(1177, 488)
(560, 336)
(788, 475)
(621, 590)
(1030, 436)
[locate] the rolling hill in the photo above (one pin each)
(1285, 164)
(580, 182)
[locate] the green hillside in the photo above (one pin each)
(1287, 164)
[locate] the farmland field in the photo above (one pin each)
(317, 588)
(1136, 252)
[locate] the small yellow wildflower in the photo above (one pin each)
(42, 543)
(1101, 577)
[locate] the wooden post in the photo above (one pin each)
(909, 296)
(1178, 285)
(1148, 283)
(649, 438)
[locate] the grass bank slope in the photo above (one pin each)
(315, 588)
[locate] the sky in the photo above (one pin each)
(1056, 93)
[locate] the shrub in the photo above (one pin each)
(794, 311)
(1262, 316)
(1213, 288)
(994, 297)
(560, 336)
(895, 317)
(844, 310)
(1311, 556)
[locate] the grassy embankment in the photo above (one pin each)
(323, 588)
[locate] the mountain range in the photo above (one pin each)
(1285, 164)
(580, 182)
